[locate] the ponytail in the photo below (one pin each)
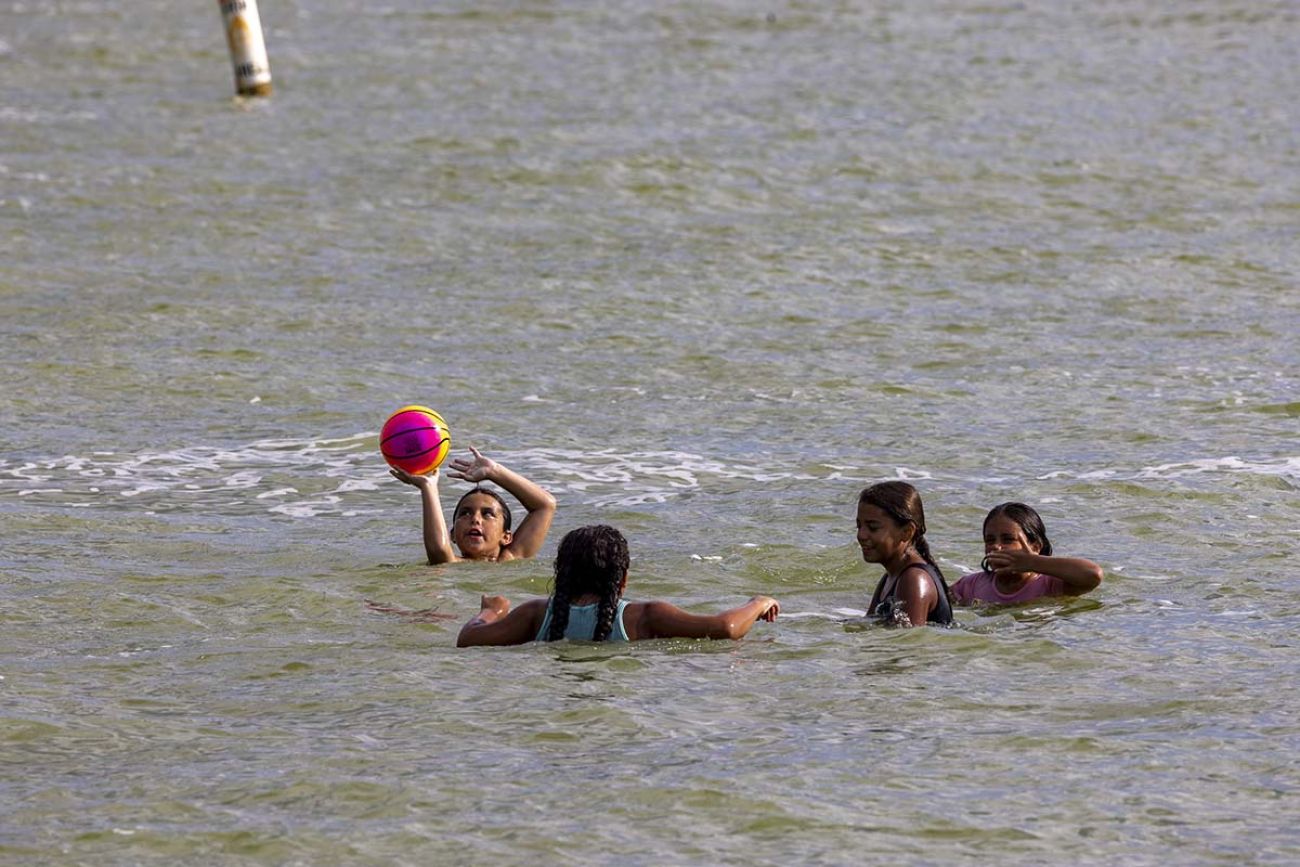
(923, 548)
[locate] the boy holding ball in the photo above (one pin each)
(481, 521)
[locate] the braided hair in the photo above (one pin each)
(590, 561)
(902, 503)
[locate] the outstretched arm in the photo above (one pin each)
(496, 624)
(665, 620)
(1078, 575)
(528, 537)
(437, 544)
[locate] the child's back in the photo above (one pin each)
(591, 569)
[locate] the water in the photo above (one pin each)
(703, 271)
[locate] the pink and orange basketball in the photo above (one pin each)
(415, 439)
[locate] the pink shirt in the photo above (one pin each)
(980, 587)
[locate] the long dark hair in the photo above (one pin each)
(1029, 522)
(591, 560)
(505, 510)
(901, 502)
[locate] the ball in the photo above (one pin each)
(415, 439)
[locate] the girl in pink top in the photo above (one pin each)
(1018, 563)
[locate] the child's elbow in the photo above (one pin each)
(733, 629)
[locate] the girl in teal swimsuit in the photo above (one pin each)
(587, 604)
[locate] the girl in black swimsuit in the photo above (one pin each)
(891, 532)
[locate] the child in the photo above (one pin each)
(587, 604)
(480, 524)
(891, 532)
(1018, 562)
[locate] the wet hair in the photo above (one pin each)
(901, 502)
(591, 560)
(1027, 520)
(505, 510)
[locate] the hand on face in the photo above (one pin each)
(476, 470)
(1009, 561)
(1007, 551)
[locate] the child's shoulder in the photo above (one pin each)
(643, 618)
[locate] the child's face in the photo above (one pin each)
(879, 535)
(479, 528)
(1003, 534)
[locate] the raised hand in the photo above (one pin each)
(414, 480)
(476, 470)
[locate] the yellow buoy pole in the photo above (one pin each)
(247, 47)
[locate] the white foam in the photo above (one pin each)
(301, 510)
(268, 474)
(1286, 468)
(357, 485)
(278, 492)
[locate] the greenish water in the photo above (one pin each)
(703, 271)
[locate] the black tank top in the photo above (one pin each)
(941, 614)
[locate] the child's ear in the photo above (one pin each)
(506, 538)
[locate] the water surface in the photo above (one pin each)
(703, 271)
